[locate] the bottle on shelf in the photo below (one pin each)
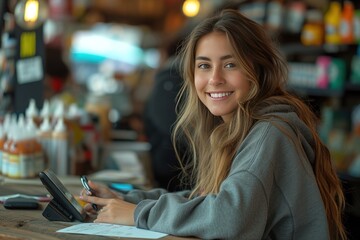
(347, 23)
(45, 138)
(357, 26)
(332, 23)
(60, 149)
(313, 30)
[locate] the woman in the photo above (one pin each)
(260, 170)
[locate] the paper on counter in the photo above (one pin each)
(112, 230)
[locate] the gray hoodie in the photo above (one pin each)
(270, 193)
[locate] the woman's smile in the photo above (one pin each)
(219, 95)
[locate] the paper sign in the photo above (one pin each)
(111, 230)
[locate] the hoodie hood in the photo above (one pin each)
(287, 113)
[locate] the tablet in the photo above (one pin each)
(63, 198)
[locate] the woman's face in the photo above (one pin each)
(219, 81)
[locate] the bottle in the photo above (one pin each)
(332, 23)
(32, 111)
(11, 132)
(312, 32)
(295, 16)
(45, 138)
(347, 23)
(45, 110)
(275, 12)
(13, 155)
(357, 26)
(60, 148)
(35, 153)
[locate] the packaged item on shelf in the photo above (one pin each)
(354, 168)
(332, 23)
(295, 16)
(255, 11)
(274, 15)
(323, 65)
(302, 74)
(337, 73)
(355, 70)
(347, 23)
(313, 30)
(357, 26)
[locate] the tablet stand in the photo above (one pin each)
(55, 212)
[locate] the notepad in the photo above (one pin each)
(112, 230)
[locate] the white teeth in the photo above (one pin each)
(219, 95)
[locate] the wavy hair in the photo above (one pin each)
(213, 143)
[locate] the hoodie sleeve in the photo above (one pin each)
(239, 209)
(136, 196)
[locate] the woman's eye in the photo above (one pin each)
(229, 65)
(203, 66)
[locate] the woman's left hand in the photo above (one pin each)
(112, 210)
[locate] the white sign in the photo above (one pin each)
(29, 70)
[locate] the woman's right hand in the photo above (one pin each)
(100, 190)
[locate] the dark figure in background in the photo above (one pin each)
(159, 116)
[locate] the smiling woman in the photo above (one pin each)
(258, 167)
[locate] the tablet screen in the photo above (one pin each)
(61, 194)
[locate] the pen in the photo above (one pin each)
(84, 182)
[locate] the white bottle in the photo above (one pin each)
(32, 111)
(61, 148)
(45, 111)
(45, 138)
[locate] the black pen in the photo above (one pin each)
(84, 182)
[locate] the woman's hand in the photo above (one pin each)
(100, 190)
(113, 210)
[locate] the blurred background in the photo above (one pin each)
(96, 65)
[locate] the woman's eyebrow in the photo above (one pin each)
(202, 58)
(208, 59)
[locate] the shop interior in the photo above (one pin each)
(80, 75)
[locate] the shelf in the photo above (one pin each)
(316, 91)
(299, 48)
(353, 87)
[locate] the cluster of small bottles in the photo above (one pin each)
(32, 142)
(339, 25)
(21, 154)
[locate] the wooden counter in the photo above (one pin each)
(30, 224)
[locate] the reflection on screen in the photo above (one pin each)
(64, 191)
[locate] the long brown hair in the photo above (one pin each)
(213, 143)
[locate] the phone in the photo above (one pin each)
(64, 206)
(21, 203)
(84, 182)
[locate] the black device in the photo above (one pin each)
(84, 182)
(21, 203)
(63, 206)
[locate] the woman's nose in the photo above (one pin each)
(216, 77)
